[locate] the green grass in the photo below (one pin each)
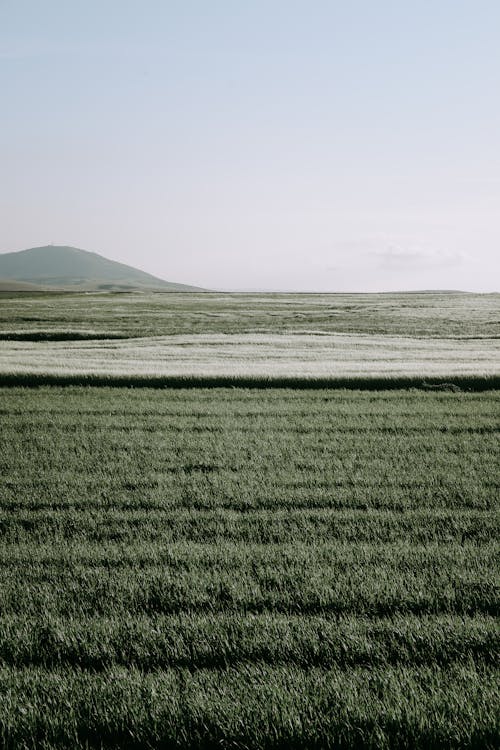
(288, 340)
(329, 579)
(251, 707)
(39, 335)
(406, 314)
(249, 568)
(221, 640)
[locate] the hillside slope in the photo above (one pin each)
(62, 267)
(11, 285)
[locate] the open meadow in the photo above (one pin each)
(240, 567)
(136, 337)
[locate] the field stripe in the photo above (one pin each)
(446, 381)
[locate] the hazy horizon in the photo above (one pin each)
(315, 146)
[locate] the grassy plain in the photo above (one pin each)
(260, 356)
(439, 315)
(241, 568)
(249, 567)
(334, 338)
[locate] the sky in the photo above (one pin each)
(311, 145)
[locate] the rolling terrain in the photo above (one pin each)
(107, 337)
(268, 558)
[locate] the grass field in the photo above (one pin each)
(249, 567)
(255, 355)
(243, 568)
(455, 315)
(50, 338)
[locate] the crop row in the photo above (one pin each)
(254, 706)
(372, 580)
(207, 495)
(221, 640)
(278, 526)
(228, 458)
(181, 402)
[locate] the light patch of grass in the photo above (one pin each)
(256, 355)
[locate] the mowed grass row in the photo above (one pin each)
(238, 568)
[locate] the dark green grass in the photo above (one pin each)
(102, 450)
(162, 526)
(331, 579)
(453, 383)
(217, 641)
(248, 568)
(58, 336)
(251, 707)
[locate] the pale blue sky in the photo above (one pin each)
(349, 145)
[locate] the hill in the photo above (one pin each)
(11, 285)
(62, 267)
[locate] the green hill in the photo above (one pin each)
(11, 285)
(62, 267)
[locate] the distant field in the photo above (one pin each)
(256, 355)
(249, 569)
(141, 315)
(261, 336)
